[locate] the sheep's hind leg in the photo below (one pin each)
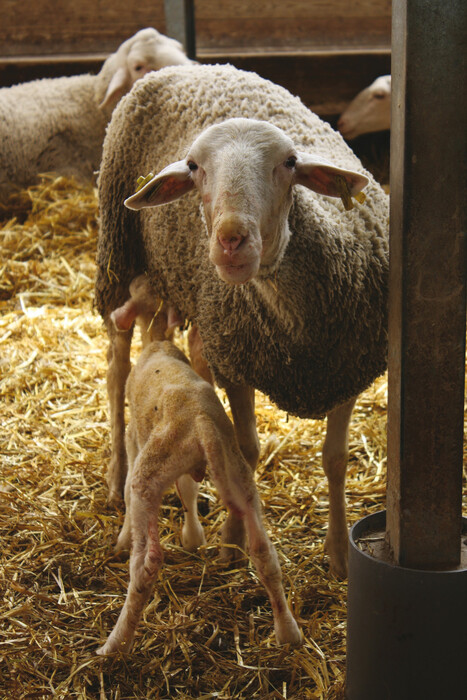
(242, 404)
(118, 357)
(335, 458)
(192, 534)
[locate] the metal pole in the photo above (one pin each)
(180, 24)
(427, 299)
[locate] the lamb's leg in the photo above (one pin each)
(265, 559)
(237, 488)
(242, 404)
(124, 538)
(192, 534)
(335, 457)
(118, 357)
(145, 561)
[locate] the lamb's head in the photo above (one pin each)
(145, 51)
(369, 111)
(244, 171)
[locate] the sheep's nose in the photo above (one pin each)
(230, 233)
(231, 242)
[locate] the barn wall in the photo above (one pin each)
(323, 50)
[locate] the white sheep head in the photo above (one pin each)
(244, 171)
(145, 51)
(369, 111)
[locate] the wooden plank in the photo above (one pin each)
(59, 26)
(427, 283)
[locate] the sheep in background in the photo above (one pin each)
(369, 111)
(287, 288)
(58, 124)
(177, 428)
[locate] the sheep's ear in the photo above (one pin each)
(124, 317)
(119, 84)
(325, 178)
(170, 184)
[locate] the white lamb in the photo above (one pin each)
(369, 111)
(178, 427)
(58, 124)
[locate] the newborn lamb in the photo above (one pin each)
(178, 427)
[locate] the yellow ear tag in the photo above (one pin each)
(143, 180)
(360, 197)
(344, 191)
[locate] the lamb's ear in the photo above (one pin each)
(323, 177)
(124, 317)
(119, 84)
(170, 184)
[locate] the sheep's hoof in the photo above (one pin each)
(338, 557)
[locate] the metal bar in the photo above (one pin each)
(427, 298)
(180, 24)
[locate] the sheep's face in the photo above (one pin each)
(244, 171)
(369, 111)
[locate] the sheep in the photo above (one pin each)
(58, 124)
(369, 111)
(177, 428)
(287, 288)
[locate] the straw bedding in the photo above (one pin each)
(208, 631)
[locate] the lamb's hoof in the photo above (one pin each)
(233, 556)
(192, 538)
(114, 499)
(113, 645)
(122, 547)
(288, 632)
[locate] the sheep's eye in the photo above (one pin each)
(291, 162)
(192, 165)
(379, 95)
(138, 68)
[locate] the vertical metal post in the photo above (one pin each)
(427, 299)
(180, 24)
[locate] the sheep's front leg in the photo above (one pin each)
(145, 561)
(192, 534)
(242, 404)
(335, 457)
(118, 358)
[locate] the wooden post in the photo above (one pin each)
(180, 24)
(427, 298)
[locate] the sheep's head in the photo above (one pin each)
(145, 51)
(244, 171)
(369, 111)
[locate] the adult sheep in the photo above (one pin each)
(58, 124)
(288, 288)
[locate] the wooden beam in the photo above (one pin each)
(427, 301)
